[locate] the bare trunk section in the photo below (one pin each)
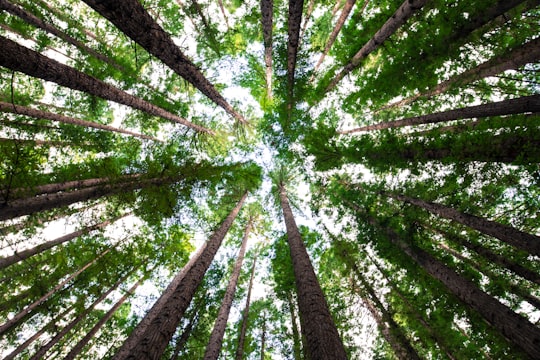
(158, 327)
(25, 254)
(322, 337)
(19, 58)
(309, 11)
(294, 20)
(245, 315)
(267, 10)
(525, 104)
(512, 236)
(185, 336)
(263, 338)
(216, 337)
(133, 20)
(39, 114)
(514, 59)
(402, 14)
(76, 350)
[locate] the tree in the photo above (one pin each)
(245, 313)
(267, 8)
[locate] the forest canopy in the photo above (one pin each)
(304, 180)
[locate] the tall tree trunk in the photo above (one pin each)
(512, 236)
(40, 354)
(159, 325)
(245, 315)
(294, 20)
(39, 114)
(185, 336)
(267, 11)
(525, 104)
(23, 313)
(76, 350)
(309, 11)
(19, 58)
(216, 337)
(349, 4)
(297, 344)
(322, 337)
(133, 20)
(25, 254)
(512, 60)
(263, 338)
(31, 205)
(402, 14)
(35, 21)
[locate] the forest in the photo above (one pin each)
(269, 179)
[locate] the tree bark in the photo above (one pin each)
(512, 236)
(133, 20)
(216, 337)
(19, 58)
(402, 14)
(39, 114)
(294, 20)
(263, 338)
(525, 104)
(25, 254)
(512, 60)
(322, 337)
(245, 316)
(267, 10)
(158, 327)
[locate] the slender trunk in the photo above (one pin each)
(42, 67)
(525, 104)
(222, 8)
(216, 337)
(25, 254)
(245, 315)
(309, 11)
(322, 337)
(31, 205)
(294, 21)
(512, 60)
(35, 21)
(267, 10)
(349, 4)
(185, 336)
(80, 316)
(402, 14)
(19, 316)
(512, 236)
(133, 20)
(76, 350)
(39, 114)
(263, 338)
(150, 341)
(297, 345)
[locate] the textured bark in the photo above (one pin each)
(525, 104)
(216, 337)
(31, 205)
(39, 114)
(245, 315)
(80, 316)
(76, 350)
(322, 337)
(514, 327)
(267, 10)
(294, 21)
(512, 236)
(150, 341)
(133, 20)
(22, 314)
(402, 14)
(512, 60)
(19, 58)
(25, 254)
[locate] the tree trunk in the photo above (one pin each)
(294, 20)
(133, 20)
(512, 60)
(216, 337)
(25, 254)
(19, 316)
(39, 114)
(309, 11)
(322, 337)
(297, 344)
(525, 104)
(222, 8)
(514, 327)
(245, 316)
(403, 13)
(267, 10)
(185, 336)
(159, 325)
(76, 350)
(20, 58)
(519, 239)
(263, 338)
(40, 354)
